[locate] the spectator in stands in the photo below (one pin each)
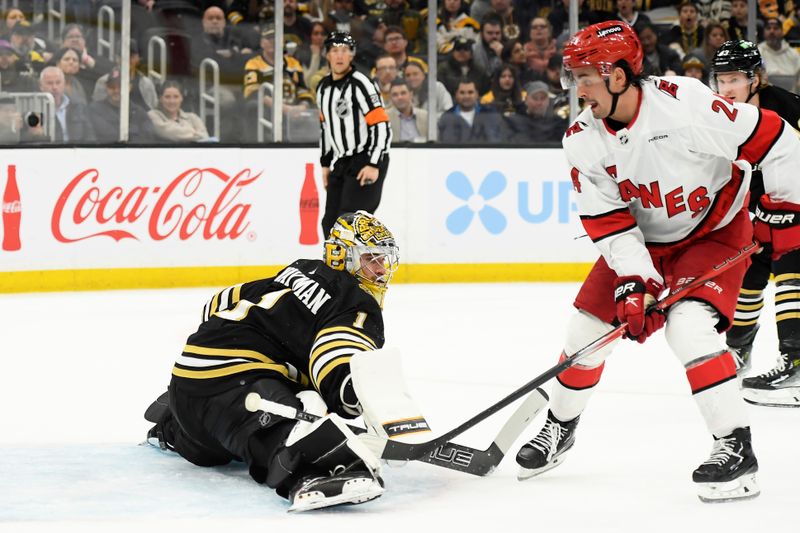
(553, 73)
(23, 40)
(91, 67)
(396, 44)
(514, 54)
(69, 61)
(714, 34)
(417, 78)
(780, 59)
(259, 69)
(408, 123)
(659, 59)
(688, 33)
(460, 65)
(537, 121)
(454, 21)
(774, 9)
(506, 95)
(385, 73)
(72, 124)
(694, 67)
(14, 74)
(486, 52)
(370, 34)
(13, 16)
(171, 122)
(105, 114)
(397, 13)
(468, 121)
(478, 9)
(296, 28)
(513, 20)
(143, 90)
(791, 27)
(310, 54)
(540, 47)
(628, 12)
(737, 23)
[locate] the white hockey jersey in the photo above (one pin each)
(679, 170)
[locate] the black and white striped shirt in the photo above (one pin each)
(353, 119)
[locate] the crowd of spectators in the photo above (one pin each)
(497, 81)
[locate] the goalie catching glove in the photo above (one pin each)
(635, 305)
(777, 223)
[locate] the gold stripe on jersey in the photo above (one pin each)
(753, 307)
(230, 362)
(346, 329)
(785, 277)
(793, 295)
(334, 347)
(786, 316)
(744, 322)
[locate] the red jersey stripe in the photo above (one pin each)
(601, 226)
(767, 131)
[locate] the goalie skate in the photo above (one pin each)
(730, 472)
(348, 488)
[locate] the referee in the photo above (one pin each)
(355, 134)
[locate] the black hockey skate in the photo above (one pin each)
(779, 387)
(159, 414)
(730, 472)
(346, 488)
(741, 349)
(548, 448)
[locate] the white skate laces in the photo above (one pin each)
(547, 440)
(722, 451)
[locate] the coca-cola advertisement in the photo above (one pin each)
(159, 208)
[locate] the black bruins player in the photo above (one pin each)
(737, 73)
(289, 338)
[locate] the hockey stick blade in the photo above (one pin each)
(483, 462)
(448, 455)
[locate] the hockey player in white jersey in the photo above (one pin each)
(661, 170)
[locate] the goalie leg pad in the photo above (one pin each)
(387, 406)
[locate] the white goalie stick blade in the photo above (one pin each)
(785, 397)
(483, 462)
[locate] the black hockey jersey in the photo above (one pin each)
(302, 325)
(787, 105)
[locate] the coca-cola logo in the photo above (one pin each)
(12, 207)
(177, 210)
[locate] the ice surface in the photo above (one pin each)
(78, 370)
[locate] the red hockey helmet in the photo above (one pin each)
(602, 45)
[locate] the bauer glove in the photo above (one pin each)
(777, 223)
(635, 305)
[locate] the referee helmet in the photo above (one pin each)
(340, 38)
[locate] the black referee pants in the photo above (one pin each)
(345, 194)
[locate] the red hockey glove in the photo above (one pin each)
(777, 223)
(634, 297)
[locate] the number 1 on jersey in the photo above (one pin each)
(361, 317)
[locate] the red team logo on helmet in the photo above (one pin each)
(603, 45)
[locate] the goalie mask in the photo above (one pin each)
(361, 245)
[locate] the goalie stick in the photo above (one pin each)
(449, 454)
(404, 451)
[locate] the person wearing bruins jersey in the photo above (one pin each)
(737, 73)
(289, 338)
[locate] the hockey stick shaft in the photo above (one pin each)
(397, 450)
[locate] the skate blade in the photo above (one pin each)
(786, 397)
(355, 493)
(527, 473)
(741, 488)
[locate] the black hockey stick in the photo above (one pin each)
(449, 454)
(404, 451)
